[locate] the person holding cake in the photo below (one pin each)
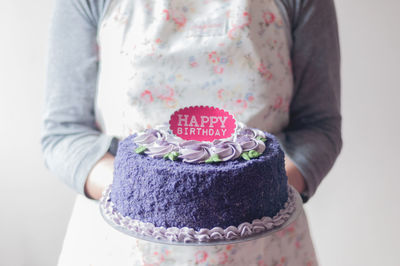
(116, 68)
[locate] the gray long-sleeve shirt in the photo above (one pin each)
(72, 143)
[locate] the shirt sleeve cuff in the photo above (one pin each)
(93, 155)
(301, 163)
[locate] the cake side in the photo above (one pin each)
(177, 194)
(148, 231)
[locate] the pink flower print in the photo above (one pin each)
(261, 263)
(180, 21)
(164, 92)
(218, 69)
(201, 256)
(170, 102)
(234, 32)
(166, 14)
(155, 260)
(222, 258)
(298, 245)
(160, 258)
(246, 20)
(147, 96)
(268, 17)
(278, 102)
(249, 97)
(282, 105)
(220, 94)
(264, 71)
(240, 106)
(282, 261)
(262, 68)
(290, 229)
(213, 57)
(192, 61)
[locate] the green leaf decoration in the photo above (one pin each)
(245, 155)
(140, 149)
(213, 159)
(209, 160)
(216, 158)
(261, 138)
(173, 156)
(254, 154)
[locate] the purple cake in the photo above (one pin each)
(168, 182)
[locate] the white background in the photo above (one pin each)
(354, 217)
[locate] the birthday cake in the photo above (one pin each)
(191, 190)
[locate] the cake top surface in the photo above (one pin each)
(160, 142)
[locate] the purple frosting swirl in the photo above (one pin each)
(160, 148)
(160, 141)
(250, 132)
(249, 144)
(193, 151)
(148, 137)
(227, 150)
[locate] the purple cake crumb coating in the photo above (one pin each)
(177, 194)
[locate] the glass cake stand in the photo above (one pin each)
(127, 225)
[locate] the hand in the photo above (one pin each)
(100, 177)
(295, 178)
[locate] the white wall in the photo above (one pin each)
(354, 216)
(34, 206)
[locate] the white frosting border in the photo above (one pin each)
(204, 235)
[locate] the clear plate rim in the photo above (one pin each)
(121, 228)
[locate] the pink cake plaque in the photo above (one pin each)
(202, 123)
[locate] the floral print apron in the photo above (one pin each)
(161, 55)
